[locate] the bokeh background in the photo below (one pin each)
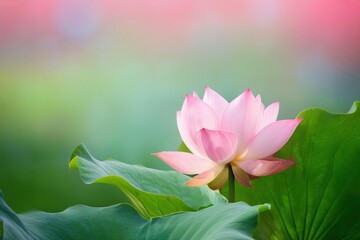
(111, 74)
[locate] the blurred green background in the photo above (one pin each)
(112, 74)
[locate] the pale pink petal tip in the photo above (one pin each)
(266, 167)
(258, 99)
(209, 89)
(249, 93)
(190, 99)
(276, 105)
(195, 94)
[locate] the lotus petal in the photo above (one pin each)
(185, 162)
(218, 145)
(266, 167)
(271, 138)
(205, 177)
(242, 116)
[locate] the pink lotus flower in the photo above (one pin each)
(242, 134)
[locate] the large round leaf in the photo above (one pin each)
(222, 221)
(152, 192)
(319, 197)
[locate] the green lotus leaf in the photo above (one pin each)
(319, 197)
(221, 221)
(152, 192)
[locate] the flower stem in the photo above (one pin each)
(231, 185)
